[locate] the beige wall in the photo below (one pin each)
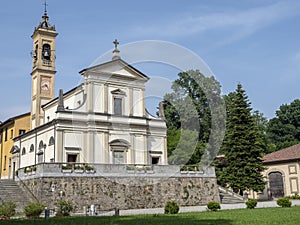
(291, 179)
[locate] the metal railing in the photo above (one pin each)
(27, 188)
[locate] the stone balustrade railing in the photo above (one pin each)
(111, 170)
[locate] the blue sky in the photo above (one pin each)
(254, 42)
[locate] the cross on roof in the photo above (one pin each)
(116, 43)
(45, 4)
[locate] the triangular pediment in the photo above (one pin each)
(118, 92)
(116, 67)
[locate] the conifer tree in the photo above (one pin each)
(242, 145)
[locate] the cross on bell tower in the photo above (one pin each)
(43, 68)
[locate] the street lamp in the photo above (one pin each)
(53, 190)
(44, 151)
(60, 194)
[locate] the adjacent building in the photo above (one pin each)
(10, 129)
(282, 173)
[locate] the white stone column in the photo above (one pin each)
(90, 99)
(165, 154)
(59, 146)
(143, 102)
(146, 155)
(89, 151)
(105, 98)
(130, 98)
(131, 151)
(105, 150)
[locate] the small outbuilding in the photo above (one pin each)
(282, 173)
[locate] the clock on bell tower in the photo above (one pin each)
(43, 68)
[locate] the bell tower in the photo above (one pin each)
(43, 68)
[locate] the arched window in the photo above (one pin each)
(276, 184)
(40, 153)
(51, 141)
(46, 52)
(35, 53)
(31, 148)
(23, 151)
(41, 145)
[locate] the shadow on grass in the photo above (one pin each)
(123, 220)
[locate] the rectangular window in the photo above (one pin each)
(119, 157)
(118, 106)
(40, 158)
(155, 160)
(5, 138)
(11, 134)
(22, 132)
(71, 158)
(4, 165)
(1, 137)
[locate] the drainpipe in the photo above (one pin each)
(35, 146)
(54, 148)
(20, 153)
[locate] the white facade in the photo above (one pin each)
(103, 120)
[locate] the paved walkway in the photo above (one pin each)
(198, 208)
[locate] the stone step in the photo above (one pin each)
(228, 197)
(10, 191)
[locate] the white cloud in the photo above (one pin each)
(241, 23)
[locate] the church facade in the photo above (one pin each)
(102, 121)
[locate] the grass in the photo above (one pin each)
(265, 216)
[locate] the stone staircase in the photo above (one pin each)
(229, 197)
(10, 191)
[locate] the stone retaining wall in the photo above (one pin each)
(130, 192)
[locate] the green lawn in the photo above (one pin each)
(266, 216)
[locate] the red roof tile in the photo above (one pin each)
(286, 154)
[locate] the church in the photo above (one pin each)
(96, 144)
(101, 121)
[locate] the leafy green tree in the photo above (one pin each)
(243, 145)
(189, 110)
(284, 129)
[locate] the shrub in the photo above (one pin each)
(7, 209)
(171, 207)
(89, 167)
(34, 209)
(65, 207)
(67, 166)
(284, 202)
(251, 203)
(213, 206)
(295, 196)
(78, 167)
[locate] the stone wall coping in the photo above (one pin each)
(111, 170)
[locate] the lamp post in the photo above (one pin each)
(53, 190)
(60, 194)
(45, 152)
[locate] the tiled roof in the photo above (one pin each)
(286, 154)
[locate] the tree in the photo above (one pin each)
(284, 129)
(193, 113)
(262, 125)
(242, 145)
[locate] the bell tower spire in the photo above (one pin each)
(43, 67)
